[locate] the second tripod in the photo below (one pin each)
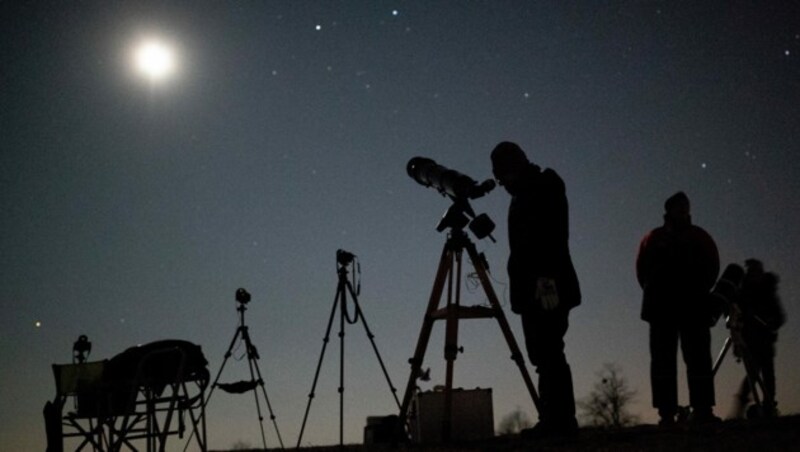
(242, 297)
(344, 260)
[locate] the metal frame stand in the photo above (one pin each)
(149, 405)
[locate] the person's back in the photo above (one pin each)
(676, 267)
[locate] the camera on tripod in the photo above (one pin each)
(242, 296)
(460, 188)
(344, 258)
(81, 349)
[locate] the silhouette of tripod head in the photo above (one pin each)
(344, 258)
(460, 215)
(460, 188)
(242, 296)
(81, 349)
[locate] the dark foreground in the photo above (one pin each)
(781, 434)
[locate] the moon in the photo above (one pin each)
(154, 59)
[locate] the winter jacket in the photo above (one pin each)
(538, 232)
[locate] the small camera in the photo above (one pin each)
(242, 296)
(81, 349)
(344, 257)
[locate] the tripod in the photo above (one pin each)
(343, 260)
(450, 272)
(242, 297)
(742, 353)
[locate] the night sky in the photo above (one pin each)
(131, 209)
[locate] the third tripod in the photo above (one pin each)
(344, 260)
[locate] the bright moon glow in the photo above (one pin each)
(155, 60)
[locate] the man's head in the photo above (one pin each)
(508, 165)
(754, 267)
(677, 211)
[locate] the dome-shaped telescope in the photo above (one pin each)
(448, 182)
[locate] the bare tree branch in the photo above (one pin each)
(606, 405)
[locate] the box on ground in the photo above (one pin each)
(472, 416)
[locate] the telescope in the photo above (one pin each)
(460, 188)
(448, 182)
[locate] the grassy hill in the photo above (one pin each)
(781, 434)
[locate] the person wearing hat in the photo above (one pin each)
(543, 283)
(677, 265)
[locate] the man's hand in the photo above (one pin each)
(546, 293)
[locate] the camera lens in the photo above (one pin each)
(242, 296)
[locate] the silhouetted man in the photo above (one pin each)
(543, 283)
(761, 316)
(677, 266)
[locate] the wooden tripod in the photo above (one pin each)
(449, 272)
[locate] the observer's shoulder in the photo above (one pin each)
(552, 178)
(699, 232)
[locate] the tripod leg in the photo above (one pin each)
(721, 356)
(342, 307)
(269, 406)
(516, 353)
(251, 357)
(319, 365)
(360, 313)
(451, 343)
(228, 354)
(445, 264)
